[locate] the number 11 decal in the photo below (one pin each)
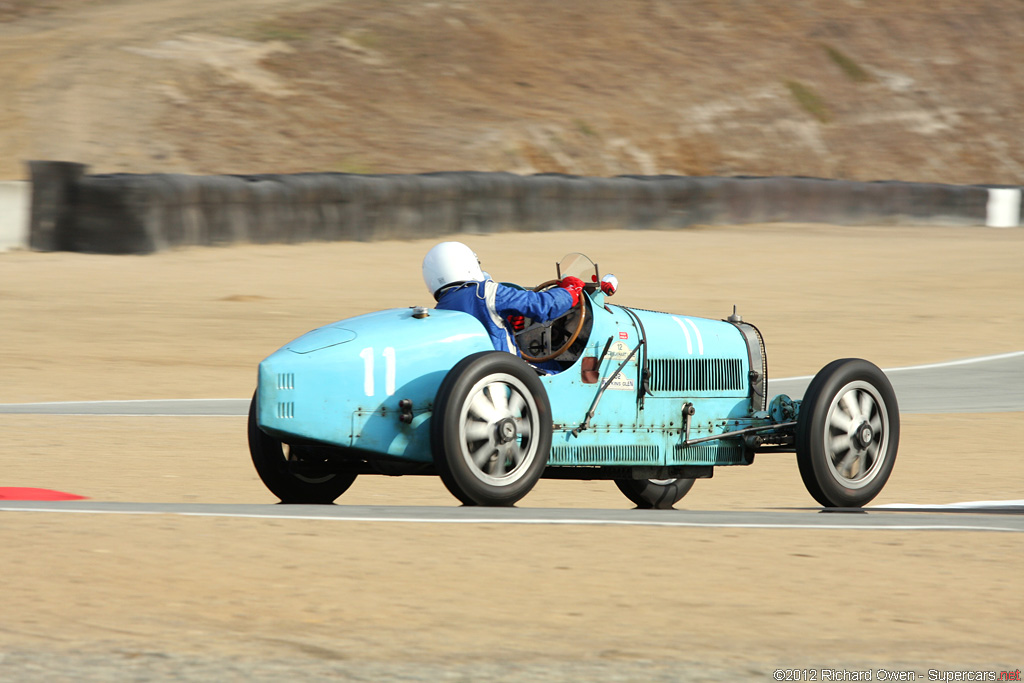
(389, 370)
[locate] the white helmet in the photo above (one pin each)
(448, 263)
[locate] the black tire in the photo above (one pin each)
(491, 429)
(287, 474)
(654, 494)
(848, 433)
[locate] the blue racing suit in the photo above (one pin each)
(491, 304)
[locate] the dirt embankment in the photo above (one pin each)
(915, 91)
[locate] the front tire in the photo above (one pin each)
(847, 433)
(287, 474)
(491, 429)
(654, 494)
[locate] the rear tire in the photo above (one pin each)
(288, 476)
(491, 429)
(847, 433)
(654, 494)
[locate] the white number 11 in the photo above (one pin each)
(389, 370)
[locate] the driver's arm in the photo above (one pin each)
(540, 306)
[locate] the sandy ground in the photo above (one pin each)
(94, 597)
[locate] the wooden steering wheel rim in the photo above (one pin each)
(572, 338)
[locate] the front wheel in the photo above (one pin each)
(847, 433)
(654, 494)
(289, 473)
(491, 429)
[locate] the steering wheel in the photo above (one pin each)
(580, 307)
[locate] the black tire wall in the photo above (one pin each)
(139, 213)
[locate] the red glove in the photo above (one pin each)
(574, 286)
(609, 283)
(517, 322)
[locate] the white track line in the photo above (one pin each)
(217, 407)
(972, 505)
(540, 521)
(129, 401)
(134, 401)
(962, 361)
(927, 366)
(182, 415)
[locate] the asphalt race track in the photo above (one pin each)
(987, 384)
(983, 384)
(1007, 516)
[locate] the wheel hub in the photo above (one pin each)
(507, 430)
(863, 435)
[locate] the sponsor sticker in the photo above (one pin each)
(618, 351)
(620, 383)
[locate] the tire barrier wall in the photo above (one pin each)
(128, 213)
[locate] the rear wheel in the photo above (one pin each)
(847, 433)
(491, 429)
(654, 494)
(291, 474)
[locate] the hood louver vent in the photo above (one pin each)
(698, 374)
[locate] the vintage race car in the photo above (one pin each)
(649, 400)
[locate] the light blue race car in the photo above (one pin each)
(649, 400)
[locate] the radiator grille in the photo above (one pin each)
(588, 455)
(697, 374)
(714, 453)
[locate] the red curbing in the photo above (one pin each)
(23, 493)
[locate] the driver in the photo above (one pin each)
(452, 273)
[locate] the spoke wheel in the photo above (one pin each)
(654, 494)
(491, 429)
(290, 474)
(847, 433)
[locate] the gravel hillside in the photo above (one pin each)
(925, 91)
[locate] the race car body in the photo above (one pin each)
(650, 400)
